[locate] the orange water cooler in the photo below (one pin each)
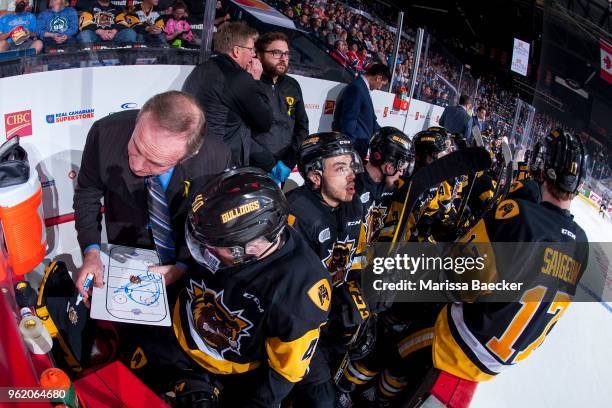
(21, 214)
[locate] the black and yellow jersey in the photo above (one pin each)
(477, 340)
(103, 17)
(427, 202)
(376, 198)
(482, 192)
(333, 233)
(138, 18)
(526, 189)
(268, 312)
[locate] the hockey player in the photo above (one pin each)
(249, 318)
(478, 340)
(428, 146)
(328, 213)
(391, 157)
(525, 185)
(485, 184)
(522, 171)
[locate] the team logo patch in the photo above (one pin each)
(340, 260)
(320, 294)
(138, 359)
(506, 209)
(365, 197)
(290, 104)
(218, 326)
(375, 221)
(73, 316)
(324, 235)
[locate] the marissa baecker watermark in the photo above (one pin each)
(491, 272)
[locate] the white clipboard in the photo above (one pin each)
(131, 293)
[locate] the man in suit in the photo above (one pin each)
(143, 164)
(354, 115)
(478, 120)
(456, 118)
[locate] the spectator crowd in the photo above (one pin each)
(356, 34)
(64, 25)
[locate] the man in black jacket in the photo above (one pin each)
(228, 89)
(289, 120)
(127, 153)
(455, 118)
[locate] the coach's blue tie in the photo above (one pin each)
(159, 214)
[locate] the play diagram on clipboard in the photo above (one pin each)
(131, 293)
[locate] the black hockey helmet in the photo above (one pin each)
(231, 210)
(439, 129)
(430, 142)
(391, 145)
(560, 160)
(459, 141)
(319, 146)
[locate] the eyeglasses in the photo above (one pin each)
(252, 49)
(278, 54)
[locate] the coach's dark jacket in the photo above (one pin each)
(236, 108)
(455, 119)
(105, 173)
(354, 115)
(289, 119)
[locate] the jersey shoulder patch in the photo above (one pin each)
(507, 209)
(320, 294)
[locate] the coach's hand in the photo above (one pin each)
(91, 264)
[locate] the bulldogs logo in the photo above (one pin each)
(103, 19)
(340, 259)
(375, 221)
(219, 327)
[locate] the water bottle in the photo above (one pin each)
(34, 333)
